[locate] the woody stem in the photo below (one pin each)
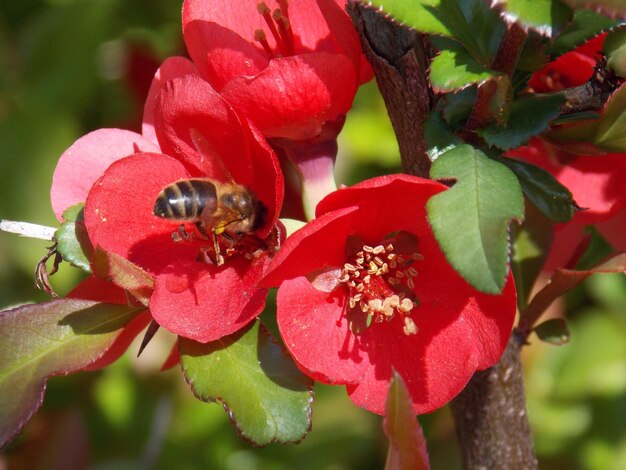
(490, 414)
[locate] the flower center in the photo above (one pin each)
(380, 283)
(277, 22)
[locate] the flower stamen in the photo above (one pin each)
(259, 36)
(279, 27)
(386, 290)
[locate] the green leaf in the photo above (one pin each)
(427, 16)
(407, 446)
(456, 107)
(267, 398)
(607, 134)
(531, 243)
(585, 25)
(73, 241)
(612, 8)
(53, 338)
(529, 116)
(124, 274)
(553, 199)
(470, 22)
(439, 136)
(454, 69)
(614, 46)
(543, 16)
(553, 331)
(470, 220)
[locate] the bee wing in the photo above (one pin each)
(218, 169)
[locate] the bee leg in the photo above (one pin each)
(181, 235)
(202, 230)
(219, 259)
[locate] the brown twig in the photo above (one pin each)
(490, 416)
(399, 57)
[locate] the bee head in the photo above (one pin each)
(252, 211)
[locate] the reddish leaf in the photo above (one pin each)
(562, 281)
(53, 338)
(407, 446)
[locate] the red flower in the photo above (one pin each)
(569, 70)
(289, 66)
(370, 258)
(594, 180)
(199, 136)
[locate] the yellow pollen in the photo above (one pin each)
(405, 306)
(372, 275)
(263, 9)
(410, 328)
(378, 250)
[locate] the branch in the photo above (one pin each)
(26, 229)
(490, 416)
(400, 61)
(592, 95)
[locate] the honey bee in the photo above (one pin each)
(227, 209)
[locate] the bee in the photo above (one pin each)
(227, 209)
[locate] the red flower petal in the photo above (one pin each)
(310, 28)
(389, 187)
(118, 212)
(204, 302)
(314, 246)
(267, 182)
(614, 230)
(172, 67)
(221, 54)
(294, 96)
(344, 37)
(595, 181)
(94, 288)
(455, 338)
(306, 315)
(569, 70)
(85, 161)
(196, 125)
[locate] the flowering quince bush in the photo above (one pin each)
(404, 288)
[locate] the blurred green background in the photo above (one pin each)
(70, 66)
